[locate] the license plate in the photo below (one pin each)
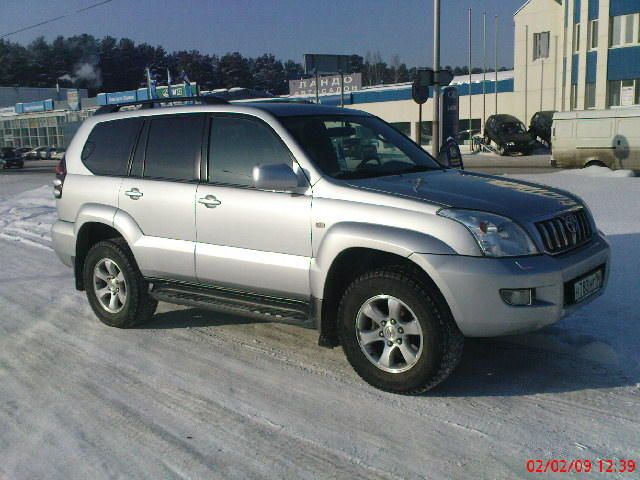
(587, 285)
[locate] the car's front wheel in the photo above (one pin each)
(397, 332)
(116, 290)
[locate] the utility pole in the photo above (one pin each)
(495, 86)
(435, 123)
(470, 98)
(484, 69)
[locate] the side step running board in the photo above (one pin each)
(234, 302)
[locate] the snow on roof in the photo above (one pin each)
(478, 77)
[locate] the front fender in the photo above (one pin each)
(343, 236)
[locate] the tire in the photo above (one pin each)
(501, 150)
(440, 342)
(132, 305)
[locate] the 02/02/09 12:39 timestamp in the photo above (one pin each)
(600, 465)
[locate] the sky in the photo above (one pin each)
(286, 28)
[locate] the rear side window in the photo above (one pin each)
(109, 146)
(238, 144)
(173, 147)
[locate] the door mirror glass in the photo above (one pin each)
(450, 155)
(275, 176)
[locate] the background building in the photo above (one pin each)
(577, 55)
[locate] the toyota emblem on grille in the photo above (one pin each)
(571, 222)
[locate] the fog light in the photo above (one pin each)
(517, 297)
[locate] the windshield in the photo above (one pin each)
(511, 128)
(357, 146)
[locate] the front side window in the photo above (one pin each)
(173, 147)
(624, 93)
(616, 31)
(237, 144)
(574, 97)
(109, 146)
(354, 146)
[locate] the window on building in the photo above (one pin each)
(624, 30)
(576, 38)
(590, 95)
(624, 93)
(541, 45)
(573, 103)
(593, 34)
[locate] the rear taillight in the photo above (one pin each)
(61, 173)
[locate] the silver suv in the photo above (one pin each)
(322, 216)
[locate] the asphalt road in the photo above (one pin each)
(34, 174)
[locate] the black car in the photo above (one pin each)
(9, 158)
(508, 134)
(22, 151)
(540, 126)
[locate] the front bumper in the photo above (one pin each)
(471, 287)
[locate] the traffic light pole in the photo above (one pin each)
(435, 131)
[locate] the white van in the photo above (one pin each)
(597, 137)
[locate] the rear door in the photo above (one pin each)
(250, 239)
(160, 194)
(627, 142)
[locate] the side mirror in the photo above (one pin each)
(450, 155)
(275, 176)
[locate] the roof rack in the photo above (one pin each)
(144, 104)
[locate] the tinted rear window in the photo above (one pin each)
(109, 145)
(173, 147)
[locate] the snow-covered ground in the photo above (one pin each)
(196, 394)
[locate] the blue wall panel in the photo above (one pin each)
(622, 7)
(592, 65)
(623, 63)
(574, 69)
(576, 11)
(594, 6)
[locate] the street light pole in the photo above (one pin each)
(435, 123)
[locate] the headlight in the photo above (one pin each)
(497, 236)
(511, 144)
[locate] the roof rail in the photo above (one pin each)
(144, 104)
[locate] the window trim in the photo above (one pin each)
(208, 173)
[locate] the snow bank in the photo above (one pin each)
(27, 217)
(606, 331)
(595, 171)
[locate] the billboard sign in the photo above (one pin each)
(326, 85)
(31, 107)
(179, 90)
(73, 99)
(326, 64)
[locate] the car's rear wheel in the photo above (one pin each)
(594, 163)
(397, 332)
(116, 290)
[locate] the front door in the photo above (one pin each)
(248, 239)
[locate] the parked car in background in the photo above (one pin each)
(9, 159)
(34, 153)
(46, 152)
(22, 151)
(58, 153)
(540, 126)
(508, 135)
(608, 138)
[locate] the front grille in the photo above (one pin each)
(565, 231)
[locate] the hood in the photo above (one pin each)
(475, 191)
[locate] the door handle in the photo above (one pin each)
(134, 194)
(209, 201)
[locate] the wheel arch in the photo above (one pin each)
(95, 223)
(350, 250)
